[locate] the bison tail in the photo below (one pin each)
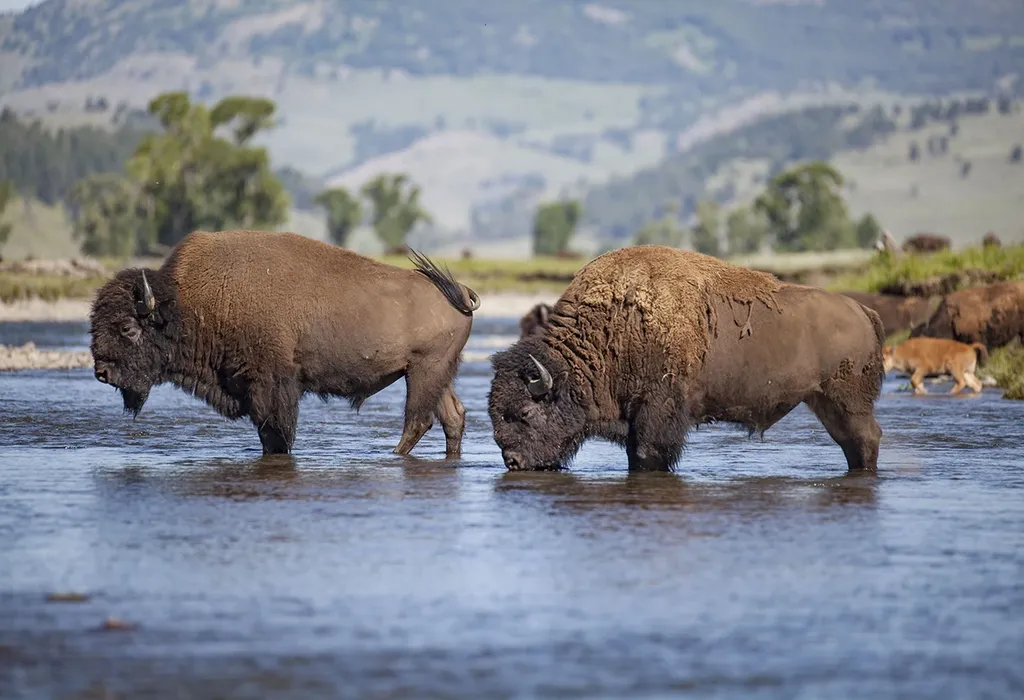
(446, 284)
(981, 351)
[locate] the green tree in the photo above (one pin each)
(553, 227)
(6, 193)
(396, 208)
(191, 178)
(868, 231)
(107, 215)
(663, 231)
(744, 230)
(344, 212)
(805, 210)
(705, 232)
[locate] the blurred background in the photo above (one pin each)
(504, 130)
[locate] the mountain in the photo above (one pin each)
(470, 95)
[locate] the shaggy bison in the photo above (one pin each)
(250, 321)
(648, 341)
(897, 313)
(992, 315)
(535, 320)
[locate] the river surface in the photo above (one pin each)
(759, 569)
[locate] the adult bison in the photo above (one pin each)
(898, 313)
(649, 341)
(992, 315)
(250, 321)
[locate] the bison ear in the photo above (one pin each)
(544, 312)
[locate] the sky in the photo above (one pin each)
(14, 5)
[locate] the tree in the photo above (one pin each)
(344, 212)
(1015, 154)
(396, 208)
(705, 233)
(805, 210)
(553, 227)
(662, 231)
(6, 192)
(744, 230)
(191, 178)
(107, 215)
(868, 231)
(915, 152)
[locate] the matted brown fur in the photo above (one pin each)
(930, 357)
(992, 315)
(666, 296)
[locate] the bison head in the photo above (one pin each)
(537, 413)
(133, 321)
(535, 322)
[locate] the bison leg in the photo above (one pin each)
(917, 381)
(656, 438)
(452, 415)
(274, 410)
(973, 382)
(423, 390)
(858, 434)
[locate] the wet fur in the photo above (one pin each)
(930, 357)
(249, 321)
(624, 375)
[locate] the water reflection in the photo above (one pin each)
(667, 490)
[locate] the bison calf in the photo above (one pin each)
(648, 341)
(250, 321)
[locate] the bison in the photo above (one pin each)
(250, 321)
(926, 243)
(898, 313)
(535, 320)
(992, 315)
(649, 341)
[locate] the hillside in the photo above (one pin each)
(483, 102)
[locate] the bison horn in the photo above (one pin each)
(539, 387)
(148, 300)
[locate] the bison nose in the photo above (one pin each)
(513, 462)
(102, 374)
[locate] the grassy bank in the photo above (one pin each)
(1006, 366)
(21, 286)
(963, 267)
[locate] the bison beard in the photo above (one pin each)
(647, 342)
(250, 321)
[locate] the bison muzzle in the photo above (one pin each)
(649, 341)
(250, 321)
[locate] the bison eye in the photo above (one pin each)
(126, 329)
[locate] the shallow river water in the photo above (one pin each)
(758, 569)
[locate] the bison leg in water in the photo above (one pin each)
(858, 434)
(452, 415)
(274, 410)
(426, 387)
(657, 432)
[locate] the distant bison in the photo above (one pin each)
(535, 320)
(250, 321)
(992, 315)
(991, 240)
(926, 243)
(648, 341)
(898, 313)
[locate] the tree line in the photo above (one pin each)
(800, 209)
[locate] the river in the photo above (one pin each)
(759, 569)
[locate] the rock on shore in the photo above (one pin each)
(28, 356)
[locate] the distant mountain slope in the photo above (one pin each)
(907, 45)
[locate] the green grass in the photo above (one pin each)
(489, 276)
(18, 286)
(1006, 366)
(883, 270)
